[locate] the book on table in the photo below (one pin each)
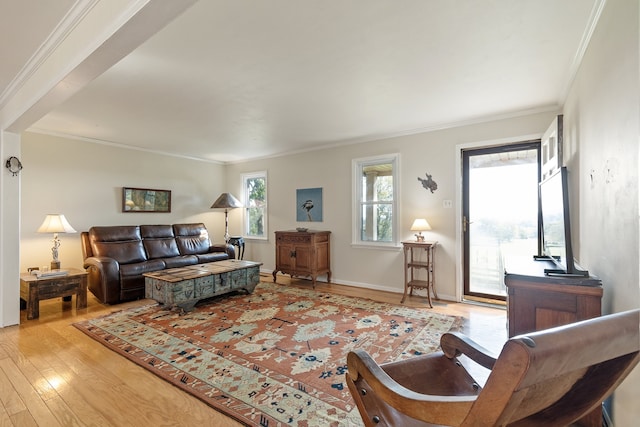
(50, 273)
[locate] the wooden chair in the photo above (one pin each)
(547, 378)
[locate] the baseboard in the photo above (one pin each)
(394, 290)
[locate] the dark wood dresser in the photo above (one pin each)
(303, 253)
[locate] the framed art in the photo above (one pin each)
(145, 200)
(309, 205)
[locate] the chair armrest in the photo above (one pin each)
(364, 372)
(454, 344)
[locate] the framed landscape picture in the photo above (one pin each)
(145, 200)
(309, 205)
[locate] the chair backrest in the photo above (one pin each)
(553, 377)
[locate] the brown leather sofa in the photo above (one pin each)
(116, 257)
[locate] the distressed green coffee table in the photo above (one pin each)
(183, 287)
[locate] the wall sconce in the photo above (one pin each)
(55, 223)
(420, 225)
(226, 201)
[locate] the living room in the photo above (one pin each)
(601, 112)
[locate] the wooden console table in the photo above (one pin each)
(536, 301)
(411, 264)
(303, 253)
(34, 289)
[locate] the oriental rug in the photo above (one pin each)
(276, 357)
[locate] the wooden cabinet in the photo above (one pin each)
(304, 254)
(536, 301)
(419, 256)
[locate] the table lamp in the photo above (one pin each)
(420, 225)
(55, 223)
(226, 201)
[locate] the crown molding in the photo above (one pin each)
(57, 36)
(596, 12)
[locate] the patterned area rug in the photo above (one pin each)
(273, 358)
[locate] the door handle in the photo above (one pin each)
(465, 223)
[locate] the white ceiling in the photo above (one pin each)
(233, 80)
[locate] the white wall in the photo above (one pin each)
(9, 233)
(602, 129)
(84, 182)
(433, 152)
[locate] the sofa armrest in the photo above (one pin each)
(223, 247)
(104, 278)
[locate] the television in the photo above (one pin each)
(556, 226)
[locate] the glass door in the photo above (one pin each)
(500, 213)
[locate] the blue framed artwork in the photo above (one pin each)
(309, 205)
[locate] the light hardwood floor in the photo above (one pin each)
(51, 374)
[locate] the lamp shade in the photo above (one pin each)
(420, 224)
(56, 223)
(226, 201)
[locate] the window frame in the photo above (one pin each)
(246, 199)
(357, 168)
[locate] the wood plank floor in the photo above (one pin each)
(51, 374)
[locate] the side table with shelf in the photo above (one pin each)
(414, 263)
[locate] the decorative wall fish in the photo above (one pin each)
(428, 183)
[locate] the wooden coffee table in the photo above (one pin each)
(183, 287)
(34, 289)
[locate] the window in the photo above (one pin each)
(375, 196)
(255, 196)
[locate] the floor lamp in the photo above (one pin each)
(226, 201)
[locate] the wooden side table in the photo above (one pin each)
(413, 262)
(32, 289)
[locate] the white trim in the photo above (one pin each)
(356, 167)
(118, 145)
(389, 135)
(244, 199)
(75, 15)
(365, 286)
(458, 197)
(594, 17)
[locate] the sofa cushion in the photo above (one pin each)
(159, 241)
(156, 231)
(212, 257)
(139, 268)
(192, 238)
(180, 261)
(124, 243)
